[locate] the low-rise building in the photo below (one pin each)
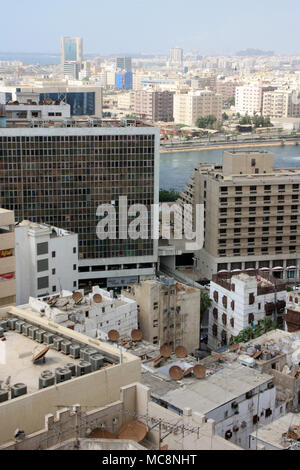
(47, 260)
(282, 434)
(242, 300)
(292, 317)
(7, 258)
(169, 312)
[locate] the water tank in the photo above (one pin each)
(72, 368)
(25, 329)
(97, 361)
(3, 324)
(18, 390)
(62, 374)
(65, 347)
(86, 353)
(57, 340)
(47, 379)
(11, 323)
(48, 338)
(32, 332)
(19, 325)
(39, 336)
(75, 351)
(83, 367)
(3, 395)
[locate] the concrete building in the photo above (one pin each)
(95, 315)
(189, 106)
(124, 64)
(71, 49)
(47, 260)
(84, 100)
(94, 163)
(281, 104)
(72, 70)
(7, 258)
(28, 107)
(249, 98)
(152, 105)
(251, 213)
(226, 88)
(169, 312)
(74, 424)
(292, 317)
(279, 435)
(176, 56)
(25, 405)
(240, 301)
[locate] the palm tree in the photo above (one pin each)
(205, 303)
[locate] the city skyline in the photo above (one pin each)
(256, 26)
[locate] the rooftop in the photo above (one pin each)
(276, 432)
(75, 123)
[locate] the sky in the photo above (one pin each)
(151, 26)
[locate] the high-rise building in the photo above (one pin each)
(152, 105)
(188, 107)
(71, 50)
(249, 98)
(281, 104)
(124, 64)
(123, 80)
(251, 214)
(7, 258)
(69, 172)
(176, 55)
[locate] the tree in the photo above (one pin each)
(205, 302)
(207, 122)
(168, 195)
(225, 117)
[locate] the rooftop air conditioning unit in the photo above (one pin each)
(11, 323)
(75, 351)
(97, 361)
(48, 338)
(18, 390)
(47, 379)
(25, 329)
(83, 368)
(1, 332)
(32, 332)
(72, 368)
(3, 395)
(19, 325)
(57, 343)
(39, 336)
(63, 374)
(65, 347)
(86, 353)
(3, 325)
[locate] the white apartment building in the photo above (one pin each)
(176, 55)
(281, 104)
(249, 98)
(7, 258)
(95, 315)
(242, 300)
(47, 260)
(188, 107)
(36, 111)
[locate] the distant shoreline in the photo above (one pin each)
(226, 146)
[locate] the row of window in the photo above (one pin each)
(238, 189)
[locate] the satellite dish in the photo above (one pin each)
(113, 336)
(99, 433)
(136, 335)
(77, 297)
(176, 373)
(97, 298)
(134, 431)
(199, 372)
(181, 352)
(40, 354)
(166, 351)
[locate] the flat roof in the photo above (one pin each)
(205, 395)
(273, 433)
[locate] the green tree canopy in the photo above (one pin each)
(168, 195)
(207, 122)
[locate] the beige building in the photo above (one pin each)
(251, 214)
(74, 369)
(249, 98)
(152, 105)
(7, 258)
(281, 104)
(189, 106)
(168, 312)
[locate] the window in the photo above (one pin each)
(74, 267)
(255, 419)
(42, 248)
(74, 249)
(74, 284)
(53, 271)
(43, 282)
(54, 289)
(42, 265)
(250, 318)
(53, 254)
(251, 299)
